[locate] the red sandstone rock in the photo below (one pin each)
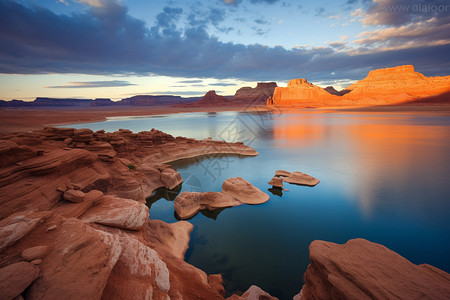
(18, 225)
(253, 293)
(297, 178)
(255, 96)
(235, 191)
(33, 253)
(188, 204)
(138, 274)
(360, 269)
(276, 182)
(74, 196)
(15, 278)
(78, 264)
(117, 212)
(170, 239)
(212, 99)
(170, 178)
(244, 191)
(383, 86)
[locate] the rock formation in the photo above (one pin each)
(398, 84)
(70, 225)
(156, 100)
(212, 99)
(140, 100)
(253, 293)
(383, 86)
(296, 178)
(299, 92)
(276, 181)
(255, 96)
(360, 269)
(235, 192)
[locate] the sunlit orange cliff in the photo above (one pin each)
(383, 86)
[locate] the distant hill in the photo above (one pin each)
(141, 100)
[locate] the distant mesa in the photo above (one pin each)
(156, 100)
(381, 87)
(243, 96)
(212, 99)
(141, 100)
(257, 95)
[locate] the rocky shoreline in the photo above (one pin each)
(73, 224)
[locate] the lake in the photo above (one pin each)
(383, 177)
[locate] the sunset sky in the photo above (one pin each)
(117, 49)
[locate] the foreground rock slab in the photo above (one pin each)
(253, 293)
(360, 269)
(15, 278)
(297, 178)
(235, 191)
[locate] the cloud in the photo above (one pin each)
(399, 12)
(107, 41)
(92, 84)
(320, 11)
(222, 84)
(190, 81)
(261, 21)
(403, 24)
(236, 2)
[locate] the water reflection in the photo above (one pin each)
(382, 177)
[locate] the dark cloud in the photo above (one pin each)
(337, 45)
(237, 2)
(261, 21)
(222, 84)
(259, 31)
(190, 81)
(399, 12)
(92, 84)
(107, 40)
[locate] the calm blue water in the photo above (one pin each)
(384, 177)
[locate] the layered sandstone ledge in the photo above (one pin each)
(73, 223)
(360, 269)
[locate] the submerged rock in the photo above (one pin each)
(360, 269)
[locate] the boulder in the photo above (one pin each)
(360, 269)
(138, 274)
(15, 278)
(75, 196)
(118, 212)
(244, 191)
(33, 253)
(170, 239)
(188, 204)
(276, 181)
(171, 178)
(78, 264)
(297, 178)
(18, 225)
(253, 293)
